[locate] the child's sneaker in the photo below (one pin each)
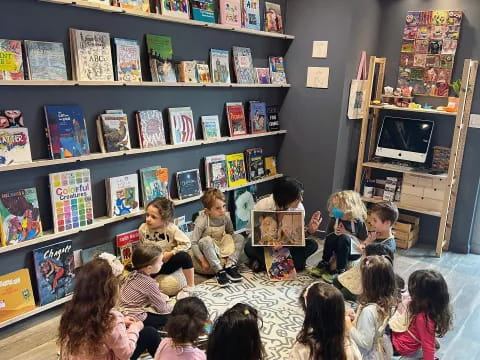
(322, 268)
(233, 274)
(222, 278)
(185, 292)
(328, 277)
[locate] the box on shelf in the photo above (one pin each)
(390, 188)
(406, 231)
(423, 192)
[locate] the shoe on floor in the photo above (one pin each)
(222, 278)
(185, 292)
(328, 277)
(320, 269)
(233, 274)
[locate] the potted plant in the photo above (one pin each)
(456, 86)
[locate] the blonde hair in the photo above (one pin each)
(350, 203)
(209, 197)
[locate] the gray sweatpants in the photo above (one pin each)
(207, 247)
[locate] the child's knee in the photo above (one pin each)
(205, 242)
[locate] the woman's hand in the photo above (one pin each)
(315, 222)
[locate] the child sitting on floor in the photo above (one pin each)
(214, 242)
(382, 218)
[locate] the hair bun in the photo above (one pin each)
(115, 264)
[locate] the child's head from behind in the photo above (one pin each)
(147, 258)
(379, 249)
(235, 335)
(213, 201)
(429, 293)
(350, 203)
(383, 216)
(159, 213)
(187, 320)
(287, 193)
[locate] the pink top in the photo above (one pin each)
(420, 334)
(168, 351)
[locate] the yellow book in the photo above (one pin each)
(16, 295)
(270, 165)
(236, 170)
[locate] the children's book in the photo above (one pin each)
(258, 117)
(54, 270)
(244, 200)
(270, 165)
(45, 60)
(230, 12)
(251, 14)
(273, 121)
(203, 10)
(188, 184)
(122, 195)
(154, 183)
(160, 54)
(273, 18)
(16, 294)
(211, 127)
(11, 118)
(255, 169)
(236, 170)
(71, 195)
(66, 130)
(93, 252)
(273, 228)
(203, 72)
(188, 71)
(175, 8)
(263, 75)
(11, 60)
(181, 125)
(115, 132)
(277, 70)
(127, 60)
(14, 146)
(19, 216)
(142, 5)
(219, 66)
(236, 119)
(216, 172)
(279, 264)
(150, 128)
(243, 65)
(126, 243)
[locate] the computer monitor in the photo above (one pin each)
(405, 139)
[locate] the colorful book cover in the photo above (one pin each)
(255, 168)
(14, 146)
(115, 132)
(216, 172)
(142, 5)
(236, 170)
(154, 183)
(230, 12)
(273, 18)
(279, 264)
(244, 200)
(219, 66)
(251, 14)
(203, 72)
(188, 184)
(45, 60)
(270, 165)
(258, 117)
(243, 65)
(122, 195)
(127, 60)
(160, 54)
(175, 8)
(263, 75)
(11, 60)
(11, 118)
(90, 253)
(203, 10)
(126, 243)
(20, 216)
(236, 119)
(181, 125)
(67, 131)
(277, 70)
(211, 127)
(71, 195)
(188, 71)
(273, 121)
(150, 128)
(16, 294)
(54, 269)
(273, 228)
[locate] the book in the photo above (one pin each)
(244, 201)
(54, 270)
(16, 294)
(203, 72)
(236, 170)
(255, 166)
(45, 60)
(115, 132)
(142, 5)
(188, 184)
(91, 55)
(175, 8)
(11, 118)
(258, 117)
(236, 119)
(211, 127)
(150, 128)
(19, 216)
(279, 263)
(154, 183)
(71, 195)
(66, 131)
(230, 12)
(92, 252)
(273, 121)
(251, 14)
(126, 243)
(187, 71)
(127, 60)
(160, 54)
(203, 10)
(273, 228)
(277, 70)
(181, 125)
(122, 195)
(14, 146)
(243, 65)
(270, 165)
(216, 172)
(273, 18)
(263, 75)
(11, 60)
(219, 66)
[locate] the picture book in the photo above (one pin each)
(71, 195)
(273, 18)
(270, 165)
(188, 184)
(216, 172)
(230, 12)
(203, 72)
(211, 127)
(11, 60)
(244, 200)
(243, 65)
(160, 54)
(16, 294)
(273, 121)
(126, 243)
(251, 14)
(142, 5)
(66, 130)
(236, 170)
(263, 75)
(54, 270)
(188, 71)
(45, 60)
(91, 253)
(219, 66)
(203, 10)
(115, 132)
(255, 167)
(127, 60)
(11, 118)
(122, 195)
(175, 8)
(277, 70)
(273, 228)
(91, 55)
(19, 216)
(181, 125)
(150, 128)
(236, 119)
(279, 264)
(14, 146)
(154, 183)
(185, 226)
(258, 117)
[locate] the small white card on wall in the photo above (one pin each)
(317, 77)
(320, 49)
(474, 121)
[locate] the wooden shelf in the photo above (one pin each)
(406, 207)
(96, 156)
(159, 17)
(402, 169)
(430, 111)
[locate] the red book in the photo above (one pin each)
(236, 119)
(126, 242)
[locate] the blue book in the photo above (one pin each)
(203, 10)
(91, 253)
(45, 60)
(251, 14)
(188, 183)
(244, 201)
(258, 117)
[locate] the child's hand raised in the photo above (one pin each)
(129, 320)
(340, 230)
(372, 237)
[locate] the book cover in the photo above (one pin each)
(203, 72)
(188, 183)
(181, 125)
(142, 5)
(126, 243)
(263, 75)
(154, 183)
(244, 200)
(20, 216)
(270, 165)
(277, 70)
(14, 146)
(230, 12)
(279, 264)
(251, 14)
(115, 132)
(236, 170)
(11, 118)
(216, 172)
(45, 60)
(255, 168)
(203, 10)
(175, 8)
(258, 117)
(273, 121)
(273, 228)
(16, 294)
(188, 71)
(150, 128)
(71, 195)
(219, 66)
(160, 54)
(11, 60)
(273, 18)
(211, 127)
(90, 253)
(67, 131)
(236, 119)
(54, 270)
(243, 65)
(127, 60)
(122, 195)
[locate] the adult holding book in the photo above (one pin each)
(287, 195)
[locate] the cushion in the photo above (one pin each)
(171, 284)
